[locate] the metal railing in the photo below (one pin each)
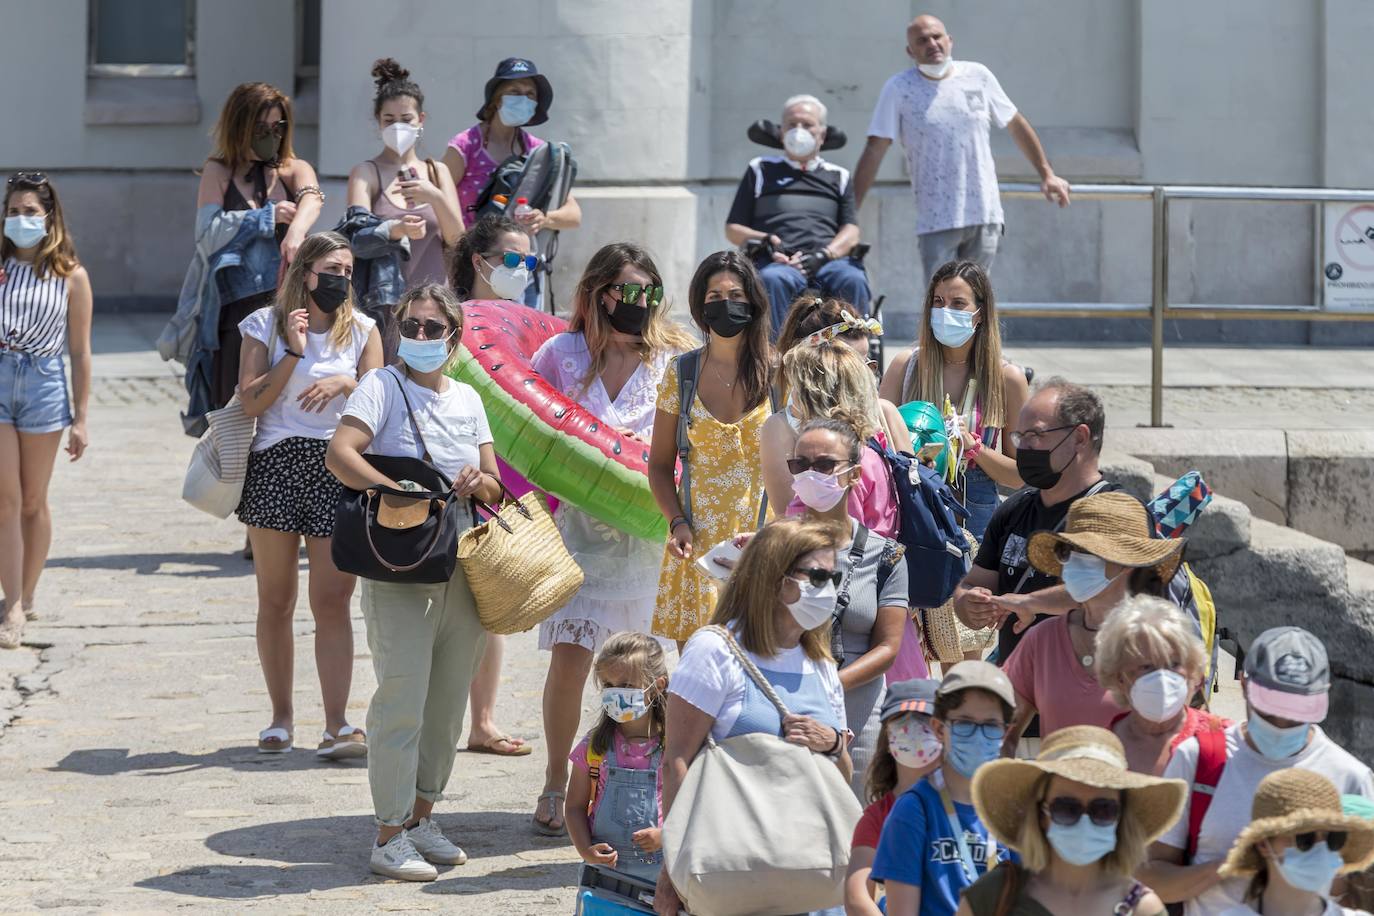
(1158, 309)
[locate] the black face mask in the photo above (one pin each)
(727, 317)
(1036, 465)
(628, 319)
(330, 292)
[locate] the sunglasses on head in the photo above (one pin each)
(276, 129)
(1335, 840)
(818, 576)
(434, 330)
(630, 293)
(819, 465)
(30, 179)
(1068, 811)
(512, 259)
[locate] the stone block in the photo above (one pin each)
(1331, 485)
(1348, 722)
(1135, 476)
(1283, 571)
(1222, 528)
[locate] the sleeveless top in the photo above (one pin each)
(33, 310)
(426, 264)
(479, 166)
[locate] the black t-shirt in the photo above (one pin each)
(1004, 549)
(803, 208)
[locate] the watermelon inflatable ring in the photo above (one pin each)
(558, 445)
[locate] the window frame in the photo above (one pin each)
(93, 68)
(304, 70)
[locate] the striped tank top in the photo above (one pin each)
(33, 310)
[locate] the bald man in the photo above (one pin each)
(943, 111)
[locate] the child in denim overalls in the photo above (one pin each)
(615, 793)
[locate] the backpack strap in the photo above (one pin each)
(856, 556)
(594, 760)
(1211, 761)
(688, 365)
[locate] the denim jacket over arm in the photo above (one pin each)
(378, 269)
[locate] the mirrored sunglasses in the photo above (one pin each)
(630, 293)
(512, 259)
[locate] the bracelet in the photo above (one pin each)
(291, 352)
(677, 520)
(310, 189)
(974, 450)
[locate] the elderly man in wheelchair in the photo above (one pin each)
(794, 214)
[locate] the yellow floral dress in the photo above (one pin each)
(727, 487)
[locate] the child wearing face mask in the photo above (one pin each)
(608, 822)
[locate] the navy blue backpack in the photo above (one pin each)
(930, 517)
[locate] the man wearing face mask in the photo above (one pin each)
(803, 207)
(943, 111)
(1286, 683)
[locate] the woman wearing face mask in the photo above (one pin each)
(45, 302)
(724, 419)
(302, 358)
(959, 353)
(1104, 554)
(1080, 822)
(1297, 842)
(425, 639)
(907, 750)
(611, 361)
(777, 605)
(1151, 658)
(412, 204)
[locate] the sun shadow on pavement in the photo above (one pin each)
(110, 761)
(213, 565)
(240, 882)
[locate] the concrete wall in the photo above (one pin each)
(654, 96)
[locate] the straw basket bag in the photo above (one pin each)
(946, 636)
(516, 564)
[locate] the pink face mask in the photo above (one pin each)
(912, 742)
(819, 491)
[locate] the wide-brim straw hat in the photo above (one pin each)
(1114, 526)
(1003, 790)
(1294, 801)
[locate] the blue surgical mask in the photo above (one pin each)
(516, 110)
(1085, 576)
(952, 327)
(423, 355)
(1274, 742)
(1312, 871)
(1082, 843)
(966, 755)
(26, 231)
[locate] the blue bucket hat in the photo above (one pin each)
(518, 68)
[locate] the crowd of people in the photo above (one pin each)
(1074, 768)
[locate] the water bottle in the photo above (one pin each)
(522, 207)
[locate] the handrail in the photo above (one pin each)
(1159, 308)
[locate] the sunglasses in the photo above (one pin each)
(1069, 811)
(965, 728)
(512, 259)
(1335, 840)
(630, 293)
(434, 330)
(277, 129)
(818, 576)
(819, 465)
(31, 179)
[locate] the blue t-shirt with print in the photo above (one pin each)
(917, 847)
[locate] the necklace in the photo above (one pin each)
(1087, 658)
(728, 385)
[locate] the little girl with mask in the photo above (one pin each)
(623, 751)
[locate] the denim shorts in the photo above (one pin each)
(33, 392)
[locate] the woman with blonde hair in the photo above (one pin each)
(611, 360)
(1152, 661)
(45, 305)
(1081, 823)
(958, 353)
(302, 358)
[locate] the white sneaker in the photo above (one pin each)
(430, 842)
(397, 858)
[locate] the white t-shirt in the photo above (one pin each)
(944, 126)
(1229, 812)
(285, 418)
(710, 678)
(452, 422)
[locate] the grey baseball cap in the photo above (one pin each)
(914, 696)
(1288, 675)
(983, 675)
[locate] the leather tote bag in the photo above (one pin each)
(760, 826)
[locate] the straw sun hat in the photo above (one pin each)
(1083, 753)
(1294, 801)
(1113, 526)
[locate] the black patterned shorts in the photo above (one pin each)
(288, 488)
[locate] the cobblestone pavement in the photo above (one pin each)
(128, 722)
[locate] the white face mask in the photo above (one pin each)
(799, 142)
(1085, 576)
(821, 492)
(912, 742)
(400, 136)
(937, 71)
(1159, 695)
(815, 606)
(509, 283)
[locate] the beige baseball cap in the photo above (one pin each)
(983, 675)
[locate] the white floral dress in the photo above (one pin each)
(621, 571)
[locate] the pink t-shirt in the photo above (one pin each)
(871, 498)
(1045, 669)
(478, 166)
(629, 755)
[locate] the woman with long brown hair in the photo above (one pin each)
(45, 303)
(611, 360)
(725, 415)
